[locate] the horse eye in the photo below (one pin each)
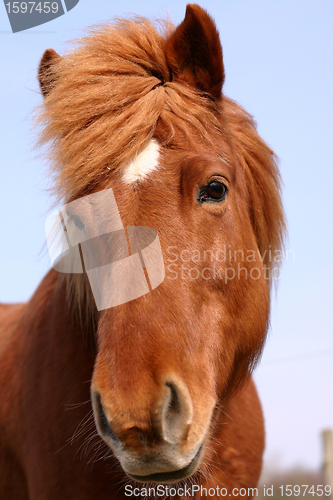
(78, 223)
(215, 191)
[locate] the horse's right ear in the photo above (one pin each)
(194, 53)
(46, 74)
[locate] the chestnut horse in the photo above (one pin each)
(97, 404)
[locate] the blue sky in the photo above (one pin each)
(278, 60)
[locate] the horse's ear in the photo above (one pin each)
(194, 53)
(46, 73)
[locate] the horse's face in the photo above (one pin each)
(165, 359)
(169, 360)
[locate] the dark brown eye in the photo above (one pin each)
(214, 191)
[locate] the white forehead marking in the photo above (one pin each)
(144, 162)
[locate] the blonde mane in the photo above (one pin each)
(110, 93)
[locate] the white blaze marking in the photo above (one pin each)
(144, 162)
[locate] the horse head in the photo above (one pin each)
(142, 113)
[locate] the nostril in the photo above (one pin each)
(173, 403)
(176, 412)
(103, 424)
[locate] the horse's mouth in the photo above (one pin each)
(173, 476)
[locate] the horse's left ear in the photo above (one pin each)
(194, 53)
(46, 72)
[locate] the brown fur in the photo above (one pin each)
(124, 63)
(123, 84)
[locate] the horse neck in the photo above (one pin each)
(52, 353)
(49, 321)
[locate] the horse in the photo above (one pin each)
(156, 392)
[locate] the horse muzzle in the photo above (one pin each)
(160, 448)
